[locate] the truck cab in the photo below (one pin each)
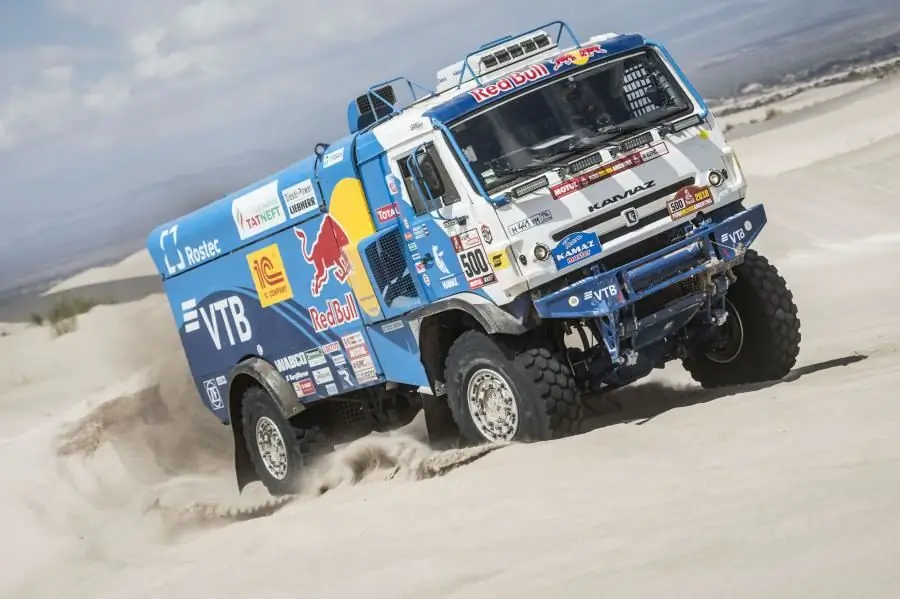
(551, 220)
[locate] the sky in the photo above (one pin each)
(115, 114)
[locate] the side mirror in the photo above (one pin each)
(431, 177)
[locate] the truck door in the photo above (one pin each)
(445, 248)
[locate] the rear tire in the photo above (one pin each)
(497, 393)
(278, 450)
(761, 339)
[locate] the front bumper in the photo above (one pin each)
(710, 250)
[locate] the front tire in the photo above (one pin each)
(760, 340)
(497, 393)
(278, 450)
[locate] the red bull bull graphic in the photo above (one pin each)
(577, 57)
(326, 253)
(335, 314)
(510, 82)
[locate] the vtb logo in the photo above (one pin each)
(269, 276)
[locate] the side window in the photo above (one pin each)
(420, 204)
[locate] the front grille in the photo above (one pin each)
(610, 215)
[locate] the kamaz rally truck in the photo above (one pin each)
(548, 222)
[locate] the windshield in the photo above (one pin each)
(571, 115)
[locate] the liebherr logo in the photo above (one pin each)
(622, 196)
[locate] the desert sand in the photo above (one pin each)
(117, 484)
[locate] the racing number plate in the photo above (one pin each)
(688, 201)
(473, 259)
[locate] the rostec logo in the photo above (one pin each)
(326, 253)
(267, 270)
(577, 57)
(510, 82)
(335, 313)
(173, 233)
(258, 211)
(621, 196)
(387, 213)
(222, 316)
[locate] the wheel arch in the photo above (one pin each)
(249, 372)
(446, 320)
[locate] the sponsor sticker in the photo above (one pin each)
(510, 82)
(392, 186)
(304, 388)
(315, 357)
(473, 259)
(392, 326)
(577, 57)
(300, 199)
(338, 359)
(269, 276)
(535, 220)
(387, 213)
(213, 394)
(575, 248)
(331, 389)
(258, 211)
(610, 169)
(332, 158)
(323, 375)
(335, 314)
(291, 362)
(331, 348)
(689, 200)
(499, 260)
(224, 320)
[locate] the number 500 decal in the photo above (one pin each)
(473, 259)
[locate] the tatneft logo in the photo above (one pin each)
(258, 211)
(223, 316)
(269, 276)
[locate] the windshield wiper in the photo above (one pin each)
(523, 171)
(642, 122)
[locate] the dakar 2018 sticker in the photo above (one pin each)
(689, 200)
(473, 259)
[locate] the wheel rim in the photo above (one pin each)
(733, 338)
(271, 447)
(492, 406)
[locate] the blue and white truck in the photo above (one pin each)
(549, 221)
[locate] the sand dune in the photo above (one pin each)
(118, 484)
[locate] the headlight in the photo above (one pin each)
(541, 252)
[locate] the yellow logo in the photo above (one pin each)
(499, 260)
(269, 275)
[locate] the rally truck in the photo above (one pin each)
(556, 218)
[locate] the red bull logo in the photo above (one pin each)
(577, 57)
(509, 83)
(336, 313)
(325, 254)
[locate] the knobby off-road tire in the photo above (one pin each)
(278, 451)
(763, 313)
(534, 393)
